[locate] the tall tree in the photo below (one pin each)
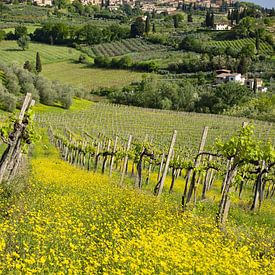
(207, 18)
(23, 42)
(212, 20)
(243, 65)
(137, 27)
(257, 42)
(237, 16)
(38, 65)
(176, 21)
(28, 66)
(147, 25)
(189, 17)
(154, 28)
(255, 84)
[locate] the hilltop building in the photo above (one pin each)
(43, 2)
(225, 76)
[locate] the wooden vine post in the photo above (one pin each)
(193, 184)
(125, 160)
(162, 180)
(113, 156)
(11, 157)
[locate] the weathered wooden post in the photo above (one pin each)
(193, 185)
(163, 177)
(113, 156)
(11, 157)
(125, 160)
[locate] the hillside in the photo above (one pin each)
(71, 220)
(137, 139)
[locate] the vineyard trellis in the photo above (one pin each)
(241, 152)
(265, 48)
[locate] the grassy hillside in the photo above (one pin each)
(265, 48)
(90, 78)
(10, 52)
(125, 46)
(72, 221)
(158, 125)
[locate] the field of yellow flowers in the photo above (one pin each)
(70, 221)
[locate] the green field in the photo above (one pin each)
(265, 48)
(132, 45)
(11, 53)
(30, 28)
(90, 78)
(158, 125)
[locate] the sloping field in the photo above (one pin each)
(265, 48)
(124, 47)
(158, 125)
(90, 78)
(72, 222)
(11, 53)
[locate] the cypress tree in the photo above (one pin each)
(38, 65)
(257, 42)
(212, 20)
(207, 19)
(176, 21)
(237, 17)
(154, 28)
(255, 85)
(189, 17)
(147, 25)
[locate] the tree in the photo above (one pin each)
(38, 65)
(147, 25)
(23, 42)
(255, 84)
(28, 66)
(20, 31)
(237, 16)
(257, 42)
(212, 20)
(154, 28)
(137, 27)
(243, 65)
(189, 18)
(2, 35)
(208, 19)
(176, 21)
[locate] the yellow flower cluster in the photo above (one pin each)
(74, 222)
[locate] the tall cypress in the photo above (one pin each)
(207, 19)
(154, 28)
(147, 25)
(257, 42)
(237, 14)
(38, 65)
(212, 20)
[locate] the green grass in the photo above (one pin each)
(11, 53)
(89, 78)
(30, 28)
(265, 48)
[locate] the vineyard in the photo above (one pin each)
(143, 141)
(265, 48)
(112, 120)
(125, 47)
(137, 191)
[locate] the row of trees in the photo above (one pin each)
(61, 33)
(182, 95)
(125, 63)
(15, 82)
